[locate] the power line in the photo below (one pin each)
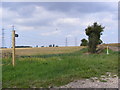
(13, 27)
(3, 38)
(66, 42)
(75, 41)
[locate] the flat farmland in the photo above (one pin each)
(43, 50)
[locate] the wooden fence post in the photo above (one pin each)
(13, 48)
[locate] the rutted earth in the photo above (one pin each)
(105, 81)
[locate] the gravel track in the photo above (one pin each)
(105, 81)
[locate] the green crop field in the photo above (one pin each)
(56, 66)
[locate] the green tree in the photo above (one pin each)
(100, 41)
(84, 42)
(93, 32)
(50, 45)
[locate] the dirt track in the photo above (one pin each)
(114, 48)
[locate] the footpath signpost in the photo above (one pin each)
(13, 46)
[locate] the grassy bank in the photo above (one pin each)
(57, 69)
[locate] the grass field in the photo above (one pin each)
(57, 69)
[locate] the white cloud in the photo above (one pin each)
(45, 22)
(60, 1)
(0, 12)
(9, 14)
(24, 28)
(69, 35)
(67, 21)
(50, 33)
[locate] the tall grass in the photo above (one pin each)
(57, 69)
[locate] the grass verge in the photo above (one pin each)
(57, 69)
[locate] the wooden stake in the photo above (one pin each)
(107, 50)
(13, 48)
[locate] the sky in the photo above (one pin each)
(45, 23)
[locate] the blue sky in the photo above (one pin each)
(45, 23)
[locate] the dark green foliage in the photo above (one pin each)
(53, 45)
(36, 45)
(23, 47)
(84, 42)
(50, 45)
(94, 32)
(100, 41)
(56, 45)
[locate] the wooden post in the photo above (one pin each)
(13, 48)
(107, 50)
